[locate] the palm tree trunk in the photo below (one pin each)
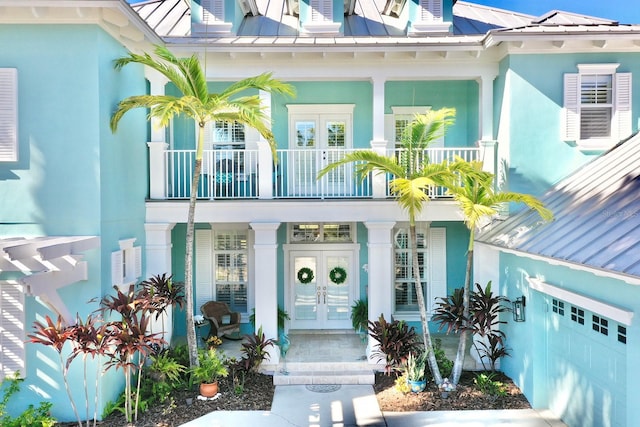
(464, 333)
(192, 343)
(426, 335)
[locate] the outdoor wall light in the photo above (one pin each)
(517, 307)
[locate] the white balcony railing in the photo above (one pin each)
(246, 174)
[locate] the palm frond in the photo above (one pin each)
(366, 161)
(264, 82)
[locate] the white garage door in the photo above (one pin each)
(586, 366)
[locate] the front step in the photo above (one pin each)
(353, 373)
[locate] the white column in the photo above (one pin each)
(266, 281)
(486, 106)
(157, 145)
(488, 155)
(157, 169)
(380, 273)
(158, 261)
(378, 143)
(265, 157)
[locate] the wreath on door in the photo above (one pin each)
(305, 275)
(338, 275)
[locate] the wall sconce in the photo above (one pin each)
(517, 307)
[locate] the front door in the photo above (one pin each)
(322, 289)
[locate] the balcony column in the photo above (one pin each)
(380, 274)
(158, 261)
(157, 145)
(266, 281)
(485, 82)
(378, 143)
(265, 157)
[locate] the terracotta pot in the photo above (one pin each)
(208, 389)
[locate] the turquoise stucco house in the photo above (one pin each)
(540, 100)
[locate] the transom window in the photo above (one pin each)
(230, 252)
(321, 233)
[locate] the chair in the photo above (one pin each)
(222, 320)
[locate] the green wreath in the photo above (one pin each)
(305, 275)
(338, 275)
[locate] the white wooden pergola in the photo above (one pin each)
(45, 264)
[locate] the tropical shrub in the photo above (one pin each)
(396, 340)
(254, 351)
(32, 416)
(487, 384)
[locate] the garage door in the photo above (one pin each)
(586, 366)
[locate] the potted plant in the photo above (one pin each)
(210, 369)
(360, 317)
(415, 367)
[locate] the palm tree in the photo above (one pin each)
(473, 189)
(203, 107)
(412, 174)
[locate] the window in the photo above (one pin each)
(12, 338)
(577, 315)
(320, 18)
(8, 115)
(431, 246)
(230, 255)
(431, 10)
(597, 106)
(600, 324)
(211, 14)
(221, 266)
(622, 334)
(126, 264)
(400, 119)
(325, 233)
(558, 307)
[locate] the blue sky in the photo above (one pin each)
(623, 11)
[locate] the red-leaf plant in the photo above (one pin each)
(55, 335)
(129, 342)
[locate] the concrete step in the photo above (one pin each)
(353, 373)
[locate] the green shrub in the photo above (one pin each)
(445, 364)
(487, 384)
(32, 416)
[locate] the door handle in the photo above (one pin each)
(318, 297)
(324, 294)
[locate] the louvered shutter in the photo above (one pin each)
(117, 272)
(321, 10)
(203, 268)
(137, 253)
(623, 105)
(12, 330)
(571, 108)
(431, 10)
(437, 286)
(212, 11)
(8, 115)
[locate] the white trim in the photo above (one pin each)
(618, 314)
(597, 68)
(320, 108)
(632, 280)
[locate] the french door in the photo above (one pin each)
(321, 289)
(318, 140)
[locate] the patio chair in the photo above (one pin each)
(222, 320)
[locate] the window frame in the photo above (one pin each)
(9, 114)
(126, 264)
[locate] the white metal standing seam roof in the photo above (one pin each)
(172, 18)
(597, 216)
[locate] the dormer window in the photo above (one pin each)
(209, 18)
(428, 18)
(319, 20)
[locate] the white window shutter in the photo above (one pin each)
(117, 273)
(431, 10)
(12, 329)
(571, 109)
(212, 11)
(321, 10)
(437, 286)
(8, 115)
(623, 105)
(203, 269)
(137, 252)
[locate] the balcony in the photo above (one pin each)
(251, 174)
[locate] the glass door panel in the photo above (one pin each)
(305, 294)
(338, 288)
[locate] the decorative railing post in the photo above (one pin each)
(379, 180)
(488, 156)
(157, 170)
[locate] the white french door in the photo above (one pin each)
(322, 289)
(319, 139)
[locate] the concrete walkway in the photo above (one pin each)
(356, 405)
